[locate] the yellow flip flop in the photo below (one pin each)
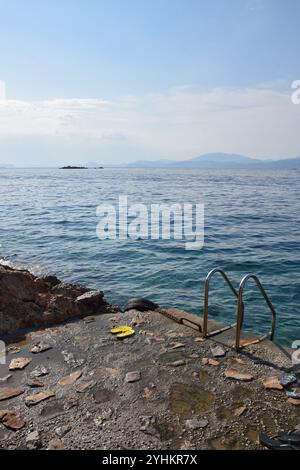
(122, 331)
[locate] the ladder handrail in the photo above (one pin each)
(240, 308)
(206, 297)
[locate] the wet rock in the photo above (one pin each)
(217, 351)
(40, 347)
(10, 392)
(39, 371)
(55, 444)
(11, 421)
(236, 375)
(133, 376)
(36, 398)
(272, 383)
(71, 378)
(33, 441)
(190, 399)
(19, 363)
(194, 424)
(34, 382)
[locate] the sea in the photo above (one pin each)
(252, 225)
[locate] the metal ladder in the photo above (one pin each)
(240, 308)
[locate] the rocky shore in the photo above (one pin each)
(74, 385)
(29, 301)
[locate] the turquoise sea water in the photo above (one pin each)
(252, 224)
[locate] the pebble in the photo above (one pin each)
(133, 376)
(195, 424)
(235, 374)
(55, 444)
(179, 363)
(217, 351)
(33, 440)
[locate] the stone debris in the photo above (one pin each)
(240, 410)
(217, 351)
(235, 374)
(33, 440)
(238, 360)
(177, 345)
(40, 347)
(294, 401)
(133, 376)
(61, 431)
(71, 378)
(10, 420)
(147, 393)
(10, 392)
(194, 424)
(272, 383)
(83, 386)
(39, 371)
(13, 349)
(72, 402)
(210, 362)
(36, 398)
(180, 362)
(199, 339)
(55, 444)
(19, 363)
(34, 382)
(193, 356)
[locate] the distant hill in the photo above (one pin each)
(219, 161)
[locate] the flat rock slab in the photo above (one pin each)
(71, 378)
(19, 363)
(10, 420)
(32, 400)
(272, 383)
(10, 392)
(236, 375)
(133, 376)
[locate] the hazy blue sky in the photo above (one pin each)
(120, 80)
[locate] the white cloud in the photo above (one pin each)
(180, 123)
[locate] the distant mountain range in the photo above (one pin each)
(219, 161)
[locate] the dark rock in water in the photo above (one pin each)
(142, 305)
(29, 301)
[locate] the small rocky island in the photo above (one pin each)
(165, 387)
(71, 167)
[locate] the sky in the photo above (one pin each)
(123, 80)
